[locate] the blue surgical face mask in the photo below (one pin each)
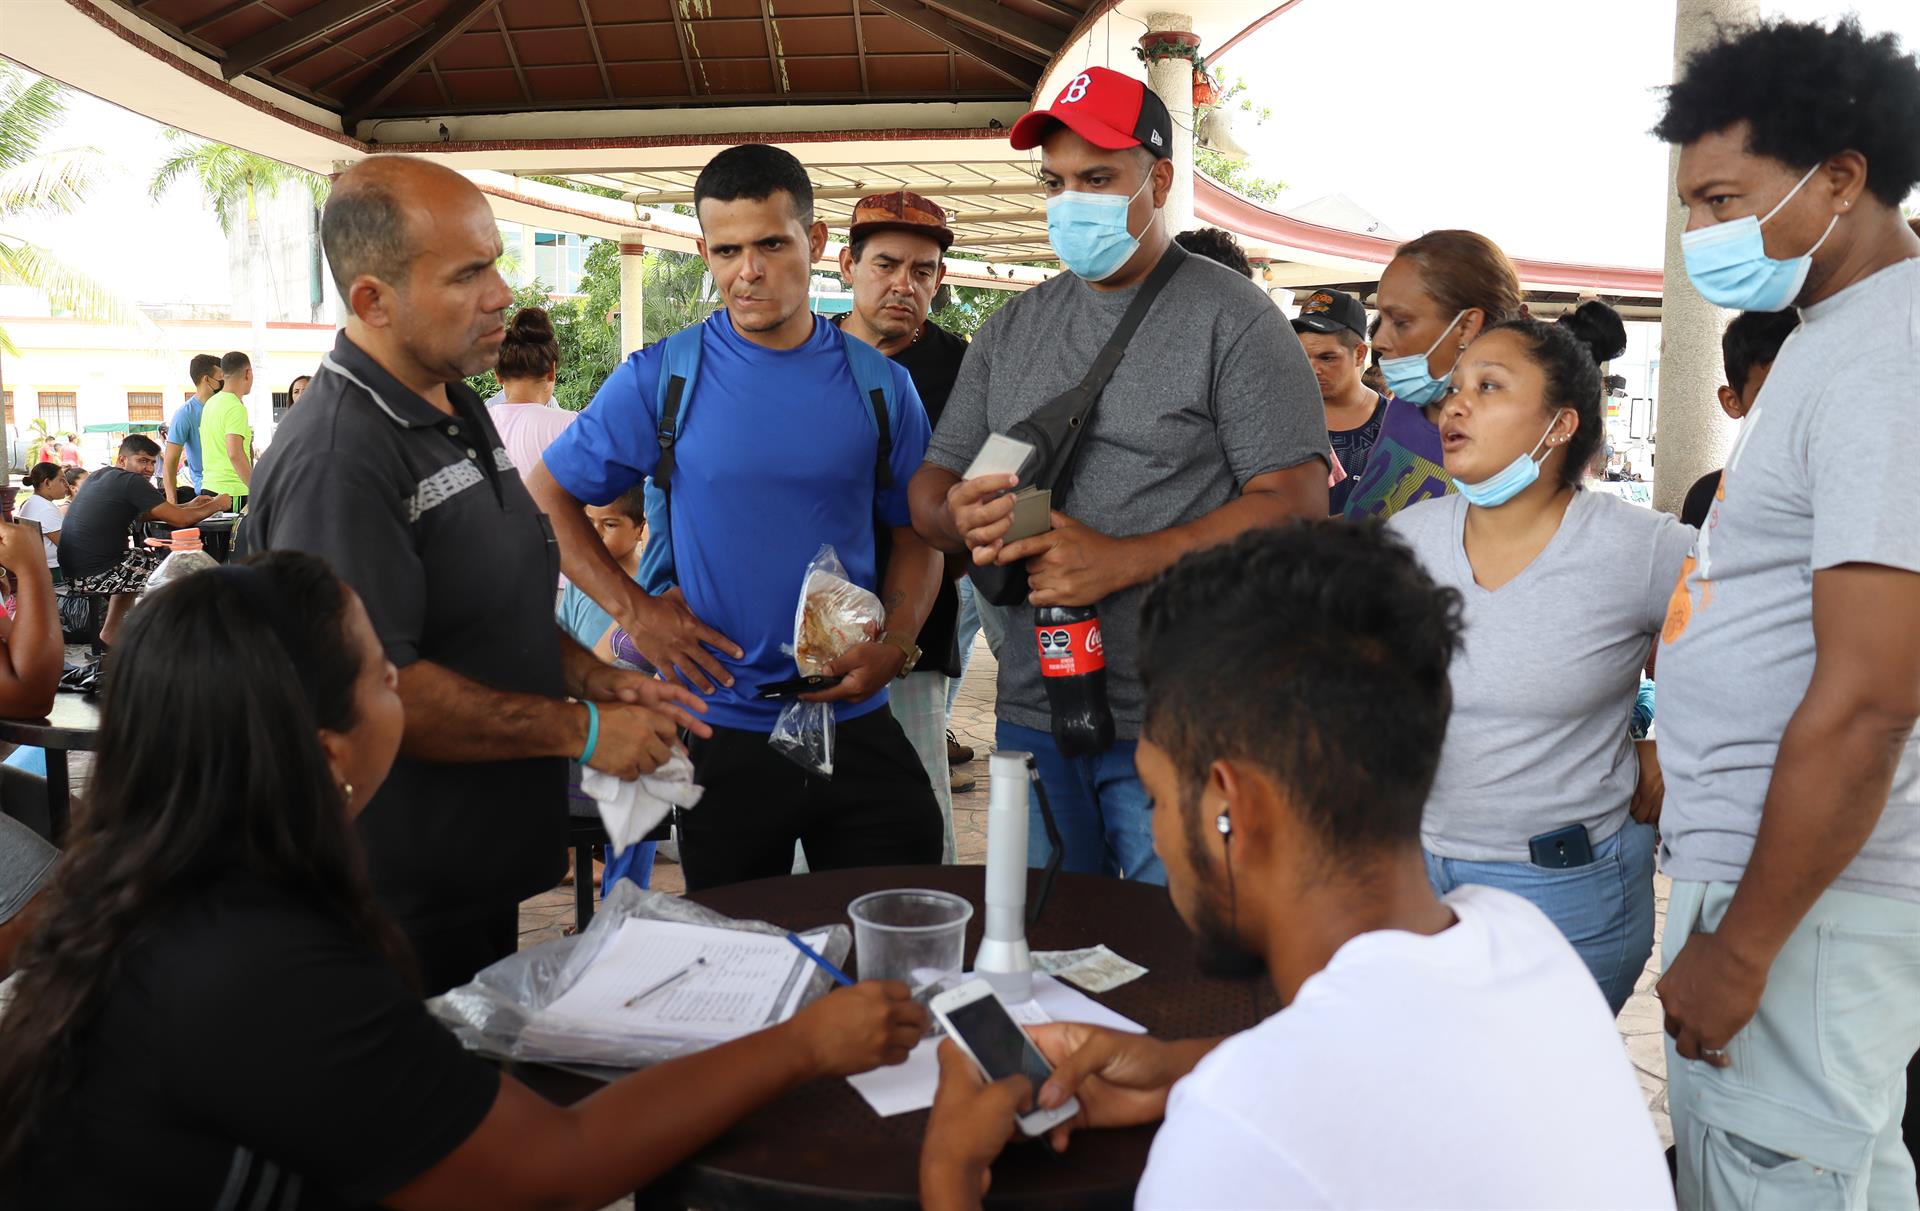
(1089, 231)
(1407, 376)
(1728, 262)
(1508, 482)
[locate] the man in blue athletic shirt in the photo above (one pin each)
(775, 453)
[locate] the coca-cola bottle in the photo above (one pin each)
(1073, 666)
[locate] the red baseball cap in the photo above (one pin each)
(1106, 108)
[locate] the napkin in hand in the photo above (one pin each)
(631, 810)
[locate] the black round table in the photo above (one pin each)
(821, 1146)
(74, 723)
(216, 533)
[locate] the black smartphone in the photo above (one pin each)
(1562, 849)
(797, 686)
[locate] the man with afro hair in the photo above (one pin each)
(1790, 675)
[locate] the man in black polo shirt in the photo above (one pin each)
(391, 471)
(894, 263)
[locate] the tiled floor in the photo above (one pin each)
(1640, 1022)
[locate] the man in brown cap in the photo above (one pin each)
(893, 264)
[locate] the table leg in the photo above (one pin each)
(57, 794)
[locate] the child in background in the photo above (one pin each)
(1747, 350)
(622, 526)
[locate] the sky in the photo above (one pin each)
(1525, 120)
(1522, 119)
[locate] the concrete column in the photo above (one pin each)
(1693, 433)
(632, 292)
(1172, 81)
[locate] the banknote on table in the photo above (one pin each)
(1096, 968)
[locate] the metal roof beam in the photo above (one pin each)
(851, 193)
(277, 39)
(380, 85)
(1036, 36)
(998, 59)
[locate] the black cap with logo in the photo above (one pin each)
(1329, 311)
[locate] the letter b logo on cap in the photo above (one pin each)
(1076, 90)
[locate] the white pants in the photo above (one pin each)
(920, 704)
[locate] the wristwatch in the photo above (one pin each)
(907, 646)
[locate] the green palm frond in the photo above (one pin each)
(67, 288)
(229, 179)
(56, 182)
(30, 113)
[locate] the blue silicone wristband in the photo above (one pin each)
(593, 732)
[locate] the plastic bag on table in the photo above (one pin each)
(833, 615)
(491, 1013)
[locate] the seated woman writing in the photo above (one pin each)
(213, 1012)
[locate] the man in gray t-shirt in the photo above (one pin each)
(1790, 660)
(1210, 426)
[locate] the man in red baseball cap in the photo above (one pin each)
(1210, 425)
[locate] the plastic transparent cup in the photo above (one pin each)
(912, 935)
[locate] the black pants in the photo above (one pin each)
(876, 810)
(447, 955)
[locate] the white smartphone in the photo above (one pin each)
(976, 1020)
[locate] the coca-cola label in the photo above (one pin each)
(1071, 649)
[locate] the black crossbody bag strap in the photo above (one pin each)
(883, 455)
(1078, 402)
(1056, 428)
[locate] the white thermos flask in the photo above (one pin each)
(1003, 959)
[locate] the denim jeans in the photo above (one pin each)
(1604, 908)
(1104, 815)
(1807, 1114)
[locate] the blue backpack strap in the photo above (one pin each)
(873, 374)
(679, 370)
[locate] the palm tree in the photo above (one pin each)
(35, 183)
(234, 183)
(676, 292)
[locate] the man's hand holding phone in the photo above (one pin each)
(971, 1123)
(1120, 1079)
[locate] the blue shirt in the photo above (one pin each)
(775, 456)
(184, 431)
(581, 617)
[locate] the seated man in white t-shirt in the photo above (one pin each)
(1433, 1053)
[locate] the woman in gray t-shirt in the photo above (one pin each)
(1540, 790)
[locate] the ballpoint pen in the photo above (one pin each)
(675, 978)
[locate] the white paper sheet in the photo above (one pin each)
(908, 1087)
(749, 981)
(999, 455)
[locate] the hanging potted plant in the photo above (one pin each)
(1205, 91)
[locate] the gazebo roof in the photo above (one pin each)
(372, 60)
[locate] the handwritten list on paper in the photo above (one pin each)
(749, 981)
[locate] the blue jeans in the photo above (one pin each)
(1604, 908)
(1104, 815)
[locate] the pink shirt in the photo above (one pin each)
(526, 430)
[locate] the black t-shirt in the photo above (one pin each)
(252, 1052)
(1693, 510)
(933, 362)
(95, 535)
(425, 517)
(1352, 446)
